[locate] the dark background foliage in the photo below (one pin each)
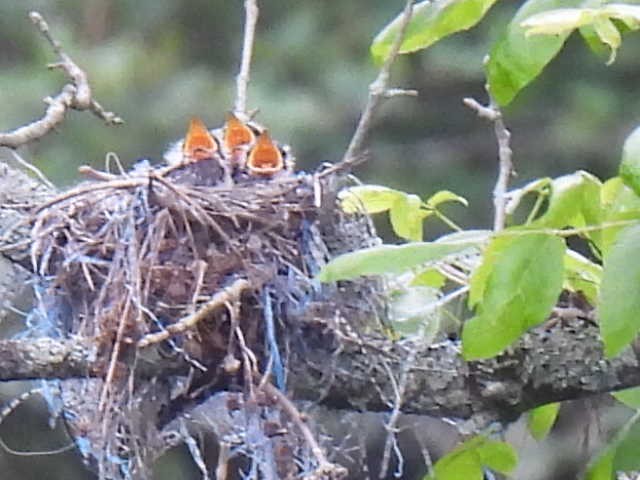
(157, 63)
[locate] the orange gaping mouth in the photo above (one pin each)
(265, 158)
(199, 144)
(236, 133)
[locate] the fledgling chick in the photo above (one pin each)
(238, 139)
(252, 152)
(197, 158)
(265, 158)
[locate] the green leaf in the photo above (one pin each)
(620, 292)
(444, 196)
(514, 289)
(516, 59)
(539, 186)
(630, 397)
(498, 456)
(411, 310)
(461, 462)
(461, 465)
(574, 201)
(541, 419)
(619, 203)
(609, 35)
(478, 283)
(467, 459)
(602, 469)
(594, 43)
(368, 198)
(430, 22)
(406, 217)
(628, 14)
(392, 258)
(582, 275)
(431, 277)
(563, 21)
(630, 166)
(620, 455)
(559, 21)
(626, 457)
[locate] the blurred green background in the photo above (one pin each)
(156, 63)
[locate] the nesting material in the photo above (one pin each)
(209, 260)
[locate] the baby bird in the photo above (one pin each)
(236, 153)
(197, 158)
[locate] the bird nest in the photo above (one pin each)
(209, 262)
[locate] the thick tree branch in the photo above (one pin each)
(549, 364)
(561, 363)
(46, 358)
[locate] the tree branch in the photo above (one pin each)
(74, 95)
(378, 92)
(549, 364)
(493, 113)
(242, 79)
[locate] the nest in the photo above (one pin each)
(162, 265)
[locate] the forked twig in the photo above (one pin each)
(378, 91)
(74, 95)
(242, 79)
(493, 113)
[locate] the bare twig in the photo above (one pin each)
(294, 415)
(399, 390)
(378, 92)
(74, 95)
(242, 79)
(505, 170)
(219, 300)
(33, 169)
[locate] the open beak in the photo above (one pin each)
(265, 157)
(199, 144)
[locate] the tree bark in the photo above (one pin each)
(551, 363)
(562, 362)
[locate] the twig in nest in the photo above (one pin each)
(242, 80)
(378, 91)
(505, 169)
(93, 187)
(33, 169)
(74, 95)
(324, 466)
(220, 299)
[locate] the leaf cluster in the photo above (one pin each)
(580, 233)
